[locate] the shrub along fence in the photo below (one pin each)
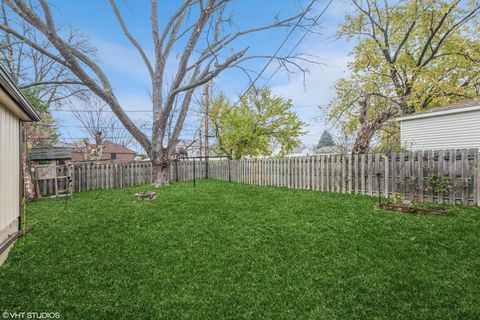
(440, 176)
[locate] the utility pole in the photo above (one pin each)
(207, 105)
(200, 143)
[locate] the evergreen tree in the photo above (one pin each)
(326, 140)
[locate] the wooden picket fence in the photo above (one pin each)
(443, 176)
(440, 176)
(90, 175)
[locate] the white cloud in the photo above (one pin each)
(121, 58)
(316, 91)
(318, 88)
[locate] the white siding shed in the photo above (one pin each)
(456, 126)
(14, 108)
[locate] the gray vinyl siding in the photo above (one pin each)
(448, 131)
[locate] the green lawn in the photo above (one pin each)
(230, 251)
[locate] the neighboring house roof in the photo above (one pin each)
(325, 150)
(111, 147)
(108, 147)
(14, 93)
(462, 106)
(299, 149)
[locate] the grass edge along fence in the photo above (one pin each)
(437, 176)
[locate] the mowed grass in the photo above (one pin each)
(232, 251)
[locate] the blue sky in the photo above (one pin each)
(129, 76)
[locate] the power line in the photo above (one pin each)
(190, 112)
(105, 111)
(54, 126)
(97, 111)
(70, 138)
(299, 41)
(252, 84)
(81, 127)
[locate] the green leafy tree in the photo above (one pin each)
(42, 133)
(411, 56)
(37, 134)
(326, 140)
(254, 125)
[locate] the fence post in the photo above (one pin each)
(71, 179)
(115, 175)
(89, 176)
(476, 188)
(464, 173)
(370, 174)
(229, 172)
(386, 163)
(194, 172)
(206, 167)
(441, 173)
(176, 170)
(420, 174)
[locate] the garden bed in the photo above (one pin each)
(404, 208)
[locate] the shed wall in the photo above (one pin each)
(9, 171)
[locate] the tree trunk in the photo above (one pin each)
(368, 128)
(362, 142)
(161, 166)
(29, 189)
(162, 176)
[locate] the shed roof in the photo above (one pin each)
(462, 106)
(14, 92)
(52, 153)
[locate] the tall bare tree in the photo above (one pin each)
(94, 120)
(100, 124)
(207, 45)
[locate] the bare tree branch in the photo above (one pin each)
(201, 59)
(131, 38)
(50, 82)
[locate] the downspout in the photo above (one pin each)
(21, 181)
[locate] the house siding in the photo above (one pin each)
(9, 172)
(448, 131)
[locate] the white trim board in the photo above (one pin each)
(437, 113)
